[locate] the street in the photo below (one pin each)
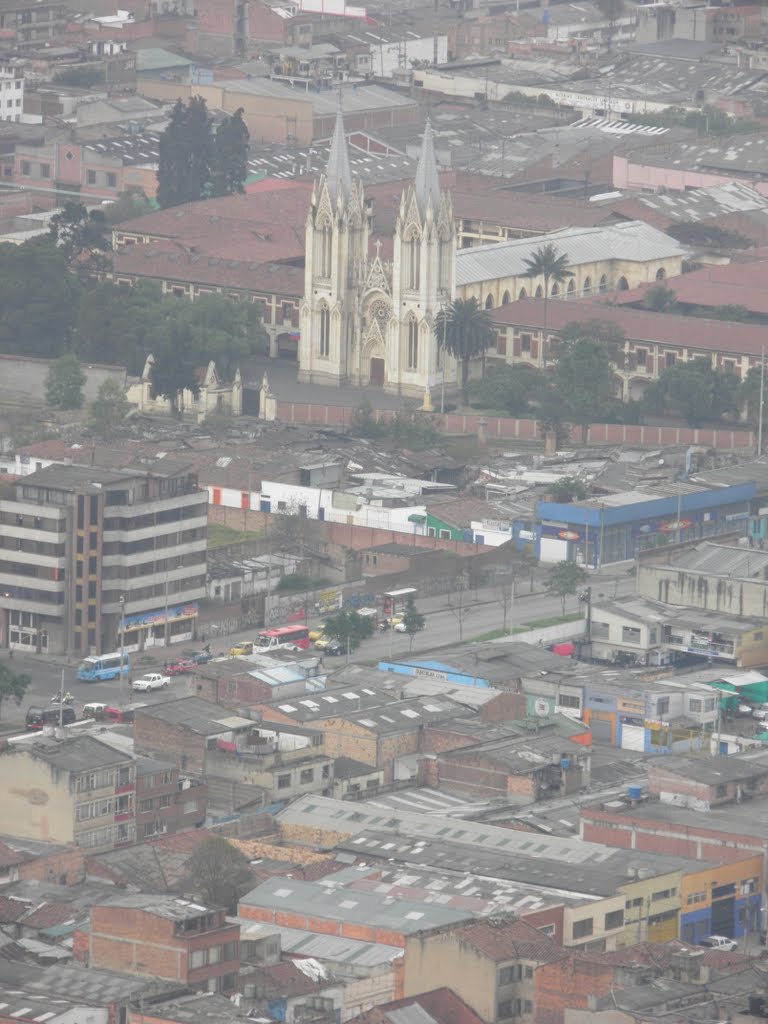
(481, 612)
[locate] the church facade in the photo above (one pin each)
(365, 319)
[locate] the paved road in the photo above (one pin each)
(482, 612)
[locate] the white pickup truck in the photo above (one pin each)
(151, 681)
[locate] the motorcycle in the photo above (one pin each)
(68, 698)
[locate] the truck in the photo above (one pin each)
(151, 681)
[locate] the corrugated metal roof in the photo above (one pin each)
(633, 241)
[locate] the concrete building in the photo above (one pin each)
(78, 791)
(26, 23)
(93, 558)
(166, 804)
(185, 731)
(163, 937)
(489, 964)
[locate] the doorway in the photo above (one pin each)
(377, 373)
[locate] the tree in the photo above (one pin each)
(696, 392)
(65, 382)
(219, 872)
(750, 397)
(584, 383)
(660, 298)
(13, 685)
(114, 323)
(185, 154)
(129, 204)
(109, 409)
(569, 488)
(38, 297)
(348, 628)
(465, 331)
(413, 621)
(546, 262)
(611, 10)
(564, 579)
(175, 359)
(230, 157)
(509, 389)
(82, 77)
(77, 230)
(225, 331)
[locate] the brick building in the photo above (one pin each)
(183, 731)
(163, 937)
(166, 803)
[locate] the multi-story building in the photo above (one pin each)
(78, 791)
(165, 803)
(90, 557)
(164, 938)
(11, 92)
(28, 23)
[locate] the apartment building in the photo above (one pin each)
(166, 803)
(87, 554)
(29, 23)
(11, 92)
(78, 791)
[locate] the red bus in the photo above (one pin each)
(290, 637)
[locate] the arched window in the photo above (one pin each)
(586, 288)
(325, 245)
(325, 332)
(555, 289)
(413, 344)
(489, 301)
(446, 256)
(505, 299)
(523, 294)
(603, 284)
(622, 285)
(571, 288)
(539, 292)
(661, 274)
(413, 262)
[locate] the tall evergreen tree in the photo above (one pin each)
(230, 159)
(185, 154)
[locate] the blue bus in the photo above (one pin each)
(103, 666)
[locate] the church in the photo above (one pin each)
(370, 305)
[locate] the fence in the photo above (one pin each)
(528, 430)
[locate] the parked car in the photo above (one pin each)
(199, 657)
(151, 681)
(178, 668)
(241, 647)
(316, 632)
(334, 647)
(720, 942)
(322, 642)
(399, 627)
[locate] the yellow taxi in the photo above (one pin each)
(316, 632)
(242, 647)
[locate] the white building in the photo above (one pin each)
(11, 93)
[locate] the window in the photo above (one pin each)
(413, 344)
(641, 355)
(45, 169)
(326, 249)
(582, 929)
(525, 343)
(326, 771)
(198, 958)
(91, 177)
(111, 180)
(283, 781)
(165, 801)
(325, 332)
(528, 972)
(145, 805)
(527, 1004)
(413, 262)
(721, 790)
(600, 630)
(695, 705)
(307, 775)
(614, 919)
(509, 975)
(669, 360)
(568, 700)
(506, 1008)
(630, 635)
(662, 706)
(663, 894)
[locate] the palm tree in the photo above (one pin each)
(464, 328)
(546, 262)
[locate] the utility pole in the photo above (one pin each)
(61, 701)
(762, 402)
(122, 645)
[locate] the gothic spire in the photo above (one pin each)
(338, 173)
(427, 180)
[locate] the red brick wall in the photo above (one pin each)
(66, 868)
(436, 738)
(263, 24)
(324, 926)
(507, 707)
(567, 984)
(170, 742)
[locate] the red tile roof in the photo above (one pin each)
(738, 284)
(639, 325)
(10, 857)
(11, 909)
(442, 1004)
(48, 915)
(510, 940)
(165, 261)
(259, 228)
